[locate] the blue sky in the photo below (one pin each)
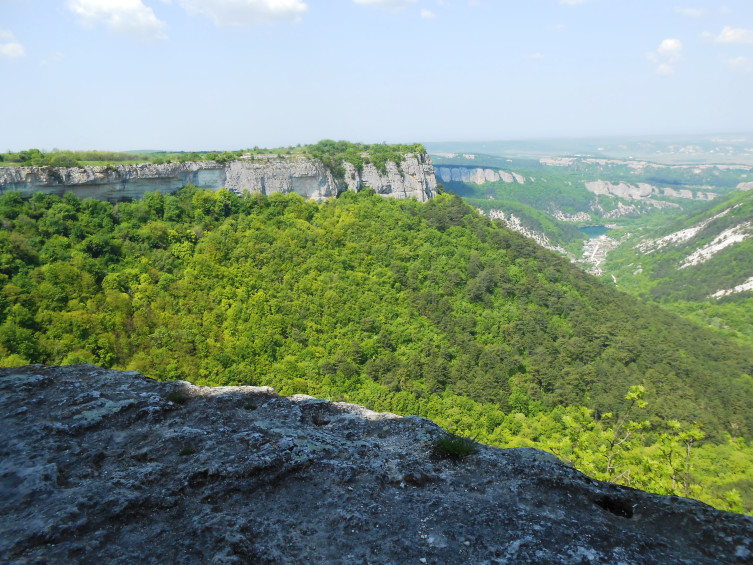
(230, 74)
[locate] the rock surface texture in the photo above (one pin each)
(414, 177)
(100, 466)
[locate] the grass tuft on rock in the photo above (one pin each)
(176, 397)
(454, 447)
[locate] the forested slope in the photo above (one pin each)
(700, 265)
(416, 308)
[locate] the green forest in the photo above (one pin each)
(566, 235)
(415, 308)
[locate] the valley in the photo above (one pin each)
(270, 295)
(432, 308)
(656, 196)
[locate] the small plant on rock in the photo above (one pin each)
(455, 447)
(176, 397)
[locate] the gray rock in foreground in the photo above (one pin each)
(99, 466)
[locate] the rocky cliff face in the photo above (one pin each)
(106, 467)
(478, 175)
(644, 190)
(414, 177)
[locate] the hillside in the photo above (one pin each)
(416, 308)
(700, 265)
(708, 254)
(108, 467)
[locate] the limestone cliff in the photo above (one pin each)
(100, 466)
(644, 190)
(413, 178)
(478, 175)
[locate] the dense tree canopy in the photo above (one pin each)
(416, 308)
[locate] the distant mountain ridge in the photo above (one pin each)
(734, 149)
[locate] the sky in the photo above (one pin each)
(233, 74)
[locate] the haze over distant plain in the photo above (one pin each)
(229, 74)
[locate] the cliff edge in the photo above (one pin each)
(101, 466)
(267, 174)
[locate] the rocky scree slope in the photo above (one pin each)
(104, 466)
(266, 174)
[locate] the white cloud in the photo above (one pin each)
(428, 14)
(573, 2)
(124, 16)
(739, 65)
(666, 56)
(247, 12)
(691, 12)
(735, 35)
(390, 4)
(9, 47)
(670, 48)
(538, 56)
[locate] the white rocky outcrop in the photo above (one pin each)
(557, 161)
(307, 177)
(747, 285)
(679, 193)
(112, 183)
(642, 191)
(514, 223)
(414, 177)
(681, 235)
(622, 189)
(621, 210)
(477, 175)
(728, 237)
(577, 217)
